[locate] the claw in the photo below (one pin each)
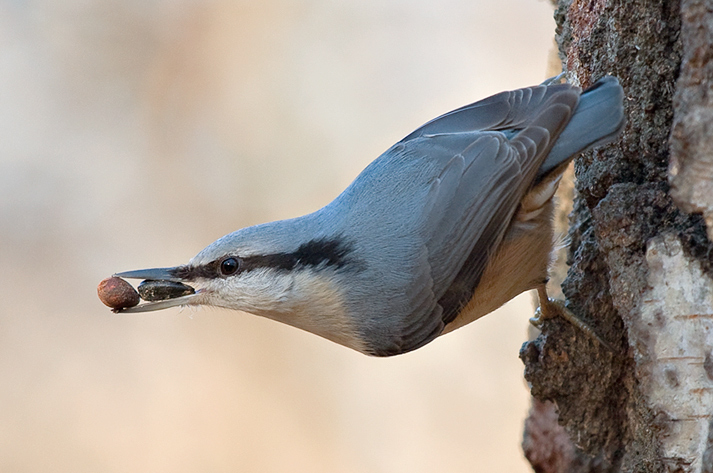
(538, 319)
(551, 308)
(555, 80)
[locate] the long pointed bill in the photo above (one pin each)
(158, 305)
(157, 274)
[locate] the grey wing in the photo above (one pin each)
(471, 202)
(506, 111)
(470, 224)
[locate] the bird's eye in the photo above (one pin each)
(229, 266)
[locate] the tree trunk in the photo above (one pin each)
(641, 266)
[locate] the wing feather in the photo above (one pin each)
(497, 174)
(504, 111)
(456, 183)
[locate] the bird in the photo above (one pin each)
(441, 229)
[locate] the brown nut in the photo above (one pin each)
(117, 293)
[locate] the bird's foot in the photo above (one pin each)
(555, 80)
(551, 308)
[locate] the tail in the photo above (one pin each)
(597, 120)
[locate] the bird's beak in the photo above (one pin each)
(157, 274)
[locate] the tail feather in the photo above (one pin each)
(597, 120)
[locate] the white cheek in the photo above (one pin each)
(257, 291)
(303, 299)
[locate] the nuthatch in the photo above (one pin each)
(446, 226)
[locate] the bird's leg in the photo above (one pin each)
(554, 80)
(551, 308)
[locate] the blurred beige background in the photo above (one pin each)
(133, 134)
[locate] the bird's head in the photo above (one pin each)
(273, 270)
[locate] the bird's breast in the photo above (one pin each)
(519, 264)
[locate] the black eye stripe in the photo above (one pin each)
(334, 253)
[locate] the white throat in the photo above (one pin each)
(306, 298)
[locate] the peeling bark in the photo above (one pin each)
(640, 266)
(691, 168)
